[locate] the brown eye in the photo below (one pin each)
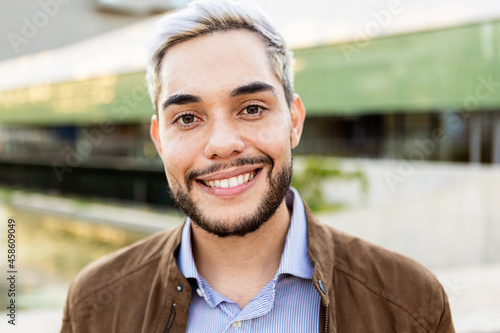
(187, 119)
(253, 109)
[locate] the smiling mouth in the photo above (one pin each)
(230, 182)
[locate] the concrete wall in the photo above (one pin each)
(442, 215)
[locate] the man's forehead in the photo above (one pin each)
(217, 61)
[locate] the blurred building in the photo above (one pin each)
(387, 80)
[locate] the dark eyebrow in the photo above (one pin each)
(253, 88)
(180, 99)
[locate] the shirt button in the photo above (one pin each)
(199, 292)
(236, 324)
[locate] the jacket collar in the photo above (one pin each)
(175, 285)
(322, 254)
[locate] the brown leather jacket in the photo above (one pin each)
(363, 287)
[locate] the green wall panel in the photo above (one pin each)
(113, 98)
(418, 72)
(430, 70)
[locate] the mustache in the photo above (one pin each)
(237, 162)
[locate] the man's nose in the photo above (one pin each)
(224, 139)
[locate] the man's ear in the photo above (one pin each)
(154, 132)
(298, 113)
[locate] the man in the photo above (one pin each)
(250, 257)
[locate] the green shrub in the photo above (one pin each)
(314, 171)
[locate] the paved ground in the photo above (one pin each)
(34, 321)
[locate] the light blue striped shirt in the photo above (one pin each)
(288, 303)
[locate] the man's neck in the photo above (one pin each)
(239, 267)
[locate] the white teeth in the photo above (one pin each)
(231, 182)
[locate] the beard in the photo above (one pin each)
(247, 223)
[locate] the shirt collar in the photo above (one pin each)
(185, 259)
(294, 260)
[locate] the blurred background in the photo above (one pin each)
(401, 145)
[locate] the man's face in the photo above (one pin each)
(225, 132)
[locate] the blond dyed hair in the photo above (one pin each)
(203, 17)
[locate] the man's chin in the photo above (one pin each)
(224, 229)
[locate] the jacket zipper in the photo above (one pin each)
(326, 318)
(171, 320)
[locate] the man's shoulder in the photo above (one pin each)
(128, 263)
(371, 281)
(376, 266)
(371, 264)
(381, 275)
